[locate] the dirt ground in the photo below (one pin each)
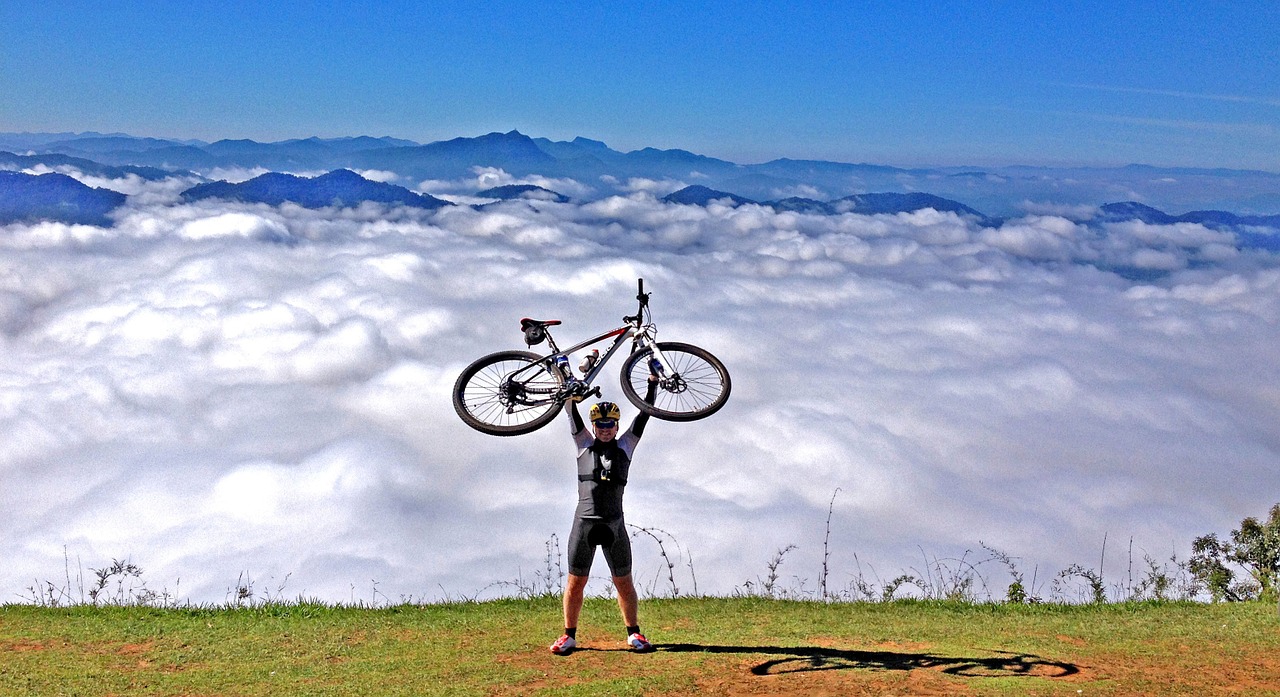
(894, 669)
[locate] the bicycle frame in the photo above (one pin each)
(622, 334)
(642, 335)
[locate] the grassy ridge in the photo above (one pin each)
(710, 645)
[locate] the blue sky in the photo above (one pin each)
(938, 83)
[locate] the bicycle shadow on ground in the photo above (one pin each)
(802, 659)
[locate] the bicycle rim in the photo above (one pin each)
(507, 394)
(698, 386)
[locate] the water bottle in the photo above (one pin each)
(589, 361)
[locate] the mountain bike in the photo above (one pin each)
(513, 392)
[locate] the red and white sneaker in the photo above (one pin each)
(639, 644)
(564, 645)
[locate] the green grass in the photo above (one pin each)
(709, 645)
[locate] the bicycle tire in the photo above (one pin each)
(485, 405)
(700, 386)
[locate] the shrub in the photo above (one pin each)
(1254, 547)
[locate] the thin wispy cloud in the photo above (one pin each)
(1253, 130)
(1237, 98)
(1256, 130)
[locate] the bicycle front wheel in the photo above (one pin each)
(508, 393)
(697, 386)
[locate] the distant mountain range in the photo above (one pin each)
(288, 155)
(863, 204)
(999, 191)
(54, 161)
(1218, 220)
(806, 186)
(340, 188)
(1257, 231)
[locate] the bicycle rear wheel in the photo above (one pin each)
(507, 393)
(697, 387)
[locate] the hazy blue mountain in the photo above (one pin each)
(358, 143)
(1270, 241)
(871, 204)
(588, 159)
(523, 191)
(1223, 219)
(320, 150)
(865, 204)
(678, 161)
(341, 188)
(809, 169)
(107, 144)
(243, 146)
(698, 195)
(577, 148)
(35, 141)
(448, 159)
(581, 147)
(1132, 210)
(796, 204)
(170, 157)
(295, 155)
(1253, 231)
(57, 197)
(188, 157)
(9, 160)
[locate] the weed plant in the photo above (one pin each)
(985, 577)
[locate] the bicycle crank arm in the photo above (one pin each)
(577, 389)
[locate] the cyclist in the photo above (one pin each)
(604, 459)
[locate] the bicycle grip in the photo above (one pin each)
(640, 292)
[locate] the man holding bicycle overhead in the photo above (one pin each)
(604, 459)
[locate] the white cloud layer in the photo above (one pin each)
(216, 388)
(491, 177)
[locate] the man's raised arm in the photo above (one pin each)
(637, 426)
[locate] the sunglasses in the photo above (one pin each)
(605, 423)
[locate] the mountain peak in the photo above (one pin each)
(699, 195)
(589, 143)
(1132, 210)
(512, 135)
(523, 191)
(55, 196)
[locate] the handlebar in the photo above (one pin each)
(641, 297)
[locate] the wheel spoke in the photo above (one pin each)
(695, 386)
(486, 398)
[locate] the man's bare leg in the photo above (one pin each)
(628, 601)
(574, 588)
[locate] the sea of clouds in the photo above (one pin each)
(219, 391)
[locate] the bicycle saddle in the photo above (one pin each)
(527, 322)
(535, 330)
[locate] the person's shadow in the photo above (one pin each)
(800, 659)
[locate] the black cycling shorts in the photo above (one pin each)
(610, 535)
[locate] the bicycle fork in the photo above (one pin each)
(668, 378)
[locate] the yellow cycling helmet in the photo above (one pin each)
(605, 411)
